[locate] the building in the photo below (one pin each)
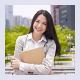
(55, 14)
(8, 16)
(67, 16)
(25, 22)
(29, 20)
(64, 15)
(17, 20)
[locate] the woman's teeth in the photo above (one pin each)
(38, 29)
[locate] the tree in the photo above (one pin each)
(62, 37)
(24, 30)
(10, 37)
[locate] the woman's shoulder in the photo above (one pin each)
(51, 41)
(22, 38)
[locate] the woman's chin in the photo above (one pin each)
(37, 32)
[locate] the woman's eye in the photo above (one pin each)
(44, 23)
(37, 21)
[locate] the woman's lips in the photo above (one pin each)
(38, 29)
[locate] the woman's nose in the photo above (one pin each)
(39, 25)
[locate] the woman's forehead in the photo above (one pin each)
(41, 17)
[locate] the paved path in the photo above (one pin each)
(68, 64)
(55, 71)
(65, 63)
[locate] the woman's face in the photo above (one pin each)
(40, 24)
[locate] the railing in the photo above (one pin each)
(63, 70)
(55, 70)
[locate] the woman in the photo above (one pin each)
(42, 34)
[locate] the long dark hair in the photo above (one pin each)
(50, 32)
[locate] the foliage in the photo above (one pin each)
(10, 37)
(6, 61)
(21, 29)
(62, 37)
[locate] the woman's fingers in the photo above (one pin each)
(14, 58)
(15, 63)
(50, 73)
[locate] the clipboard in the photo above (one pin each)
(33, 56)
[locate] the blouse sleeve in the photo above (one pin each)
(18, 50)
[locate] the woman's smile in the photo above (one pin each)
(38, 29)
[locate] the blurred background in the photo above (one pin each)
(18, 20)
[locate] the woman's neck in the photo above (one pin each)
(36, 37)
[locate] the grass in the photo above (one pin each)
(58, 56)
(58, 63)
(63, 59)
(6, 61)
(62, 56)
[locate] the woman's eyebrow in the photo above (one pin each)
(45, 22)
(39, 20)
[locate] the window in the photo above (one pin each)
(63, 25)
(63, 16)
(62, 21)
(64, 11)
(66, 20)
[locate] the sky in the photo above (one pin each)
(29, 10)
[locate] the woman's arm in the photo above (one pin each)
(46, 65)
(18, 50)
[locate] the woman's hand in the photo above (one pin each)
(50, 73)
(15, 63)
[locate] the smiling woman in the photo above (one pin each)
(39, 26)
(42, 34)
